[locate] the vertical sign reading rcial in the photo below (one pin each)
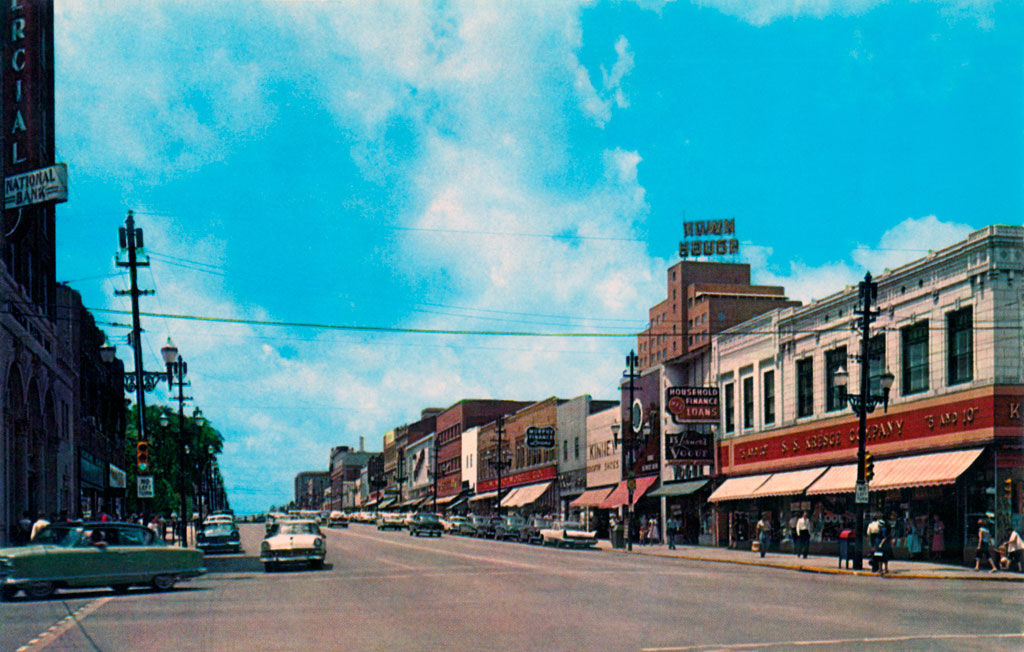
(28, 94)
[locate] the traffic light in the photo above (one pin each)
(1008, 489)
(142, 456)
(869, 467)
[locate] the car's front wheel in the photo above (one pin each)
(164, 582)
(316, 564)
(39, 590)
(269, 567)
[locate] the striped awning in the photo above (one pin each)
(509, 497)
(738, 488)
(788, 483)
(929, 470)
(591, 497)
(528, 494)
(620, 495)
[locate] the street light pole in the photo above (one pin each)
(863, 403)
(629, 445)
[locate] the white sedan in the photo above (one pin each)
(568, 534)
(293, 542)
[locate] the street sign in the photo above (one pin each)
(144, 486)
(540, 437)
(862, 493)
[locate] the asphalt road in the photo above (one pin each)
(389, 591)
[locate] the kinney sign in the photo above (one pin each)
(693, 404)
(36, 187)
(688, 447)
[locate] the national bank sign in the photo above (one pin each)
(36, 187)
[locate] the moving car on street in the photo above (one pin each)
(337, 519)
(568, 534)
(293, 542)
(118, 555)
(219, 537)
(425, 523)
(390, 521)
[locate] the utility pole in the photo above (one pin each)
(500, 461)
(131, 239)
(868, 291)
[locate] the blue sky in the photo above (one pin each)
(407, 164)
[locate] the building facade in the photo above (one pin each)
(951, 439)
(309, 489)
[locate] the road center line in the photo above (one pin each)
(832, 642)
(63, 625)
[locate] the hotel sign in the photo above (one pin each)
(35, 187)
(702, 238)
(693, 404)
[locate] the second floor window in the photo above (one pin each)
(768, 389)
(876, 364)
(805, 387)
(748, 402)
(915, 358)
(730, 407)
(833, 360)
(959, 360)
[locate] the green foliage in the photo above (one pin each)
(167, 458)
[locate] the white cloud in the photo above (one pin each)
(598, 104)
(764, 12)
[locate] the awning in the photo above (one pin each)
(444, 500)
(788, 483)
(738, 488)
(387, 502)
(484, 496)
(528, 494)
(929, 470)
(620, 495)
(678, 489)
(458, 501)
(507, 500)
(591, 498)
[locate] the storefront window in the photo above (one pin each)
(805, 387)
(915, 358)
(959, 361)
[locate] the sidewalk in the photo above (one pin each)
(816, 564)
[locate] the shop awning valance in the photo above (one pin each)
(509, 497)
(444, 500)
(387, 502)
(929, 470)
(591, 497)
(489, 495)
(678, 489)
(620, 495)
(738, 488)
(789, 483)
(528, 494)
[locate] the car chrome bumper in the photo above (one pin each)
(285, 556)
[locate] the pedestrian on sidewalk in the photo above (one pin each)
(764, 532)
(913, 540)
(983, 551)
(885, 534)
(938, 538)
(803, 535)
(671, 531)
(1015, 552)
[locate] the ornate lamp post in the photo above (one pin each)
(630, 442)
(862, 404)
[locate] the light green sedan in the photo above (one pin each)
(118, 555)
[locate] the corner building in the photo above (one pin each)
(950, 448)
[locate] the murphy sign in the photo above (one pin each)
(49, 184)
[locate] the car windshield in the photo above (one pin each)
(572, 525)
(430, 518)
(218, 530)
(297, 528)
(542, 522)
(63, 536)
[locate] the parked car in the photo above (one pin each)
(293, 542)
(508, 527)
(568, 534)
(337, 519)
(424, 523)
(530, 533)
(456, 524)
(390, 521)
(477, 525)
(118, 555)
(219, 537)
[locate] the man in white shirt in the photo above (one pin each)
(803, 535)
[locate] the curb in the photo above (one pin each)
(986, 577)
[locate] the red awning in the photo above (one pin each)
(591, 498)
(620, 496)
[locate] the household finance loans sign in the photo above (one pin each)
(35, 187)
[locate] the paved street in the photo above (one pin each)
(389, 591)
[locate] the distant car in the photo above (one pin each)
(477, 525)
(456, 523)
(337, 519)
(486, 531)
(530, 533)
(509, 527)
(425, 523)
(293, 542)
(219, 537)
(390, 521)
(216, 519)
(568, 534)
(118, 555)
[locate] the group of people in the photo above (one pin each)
(983, 549)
